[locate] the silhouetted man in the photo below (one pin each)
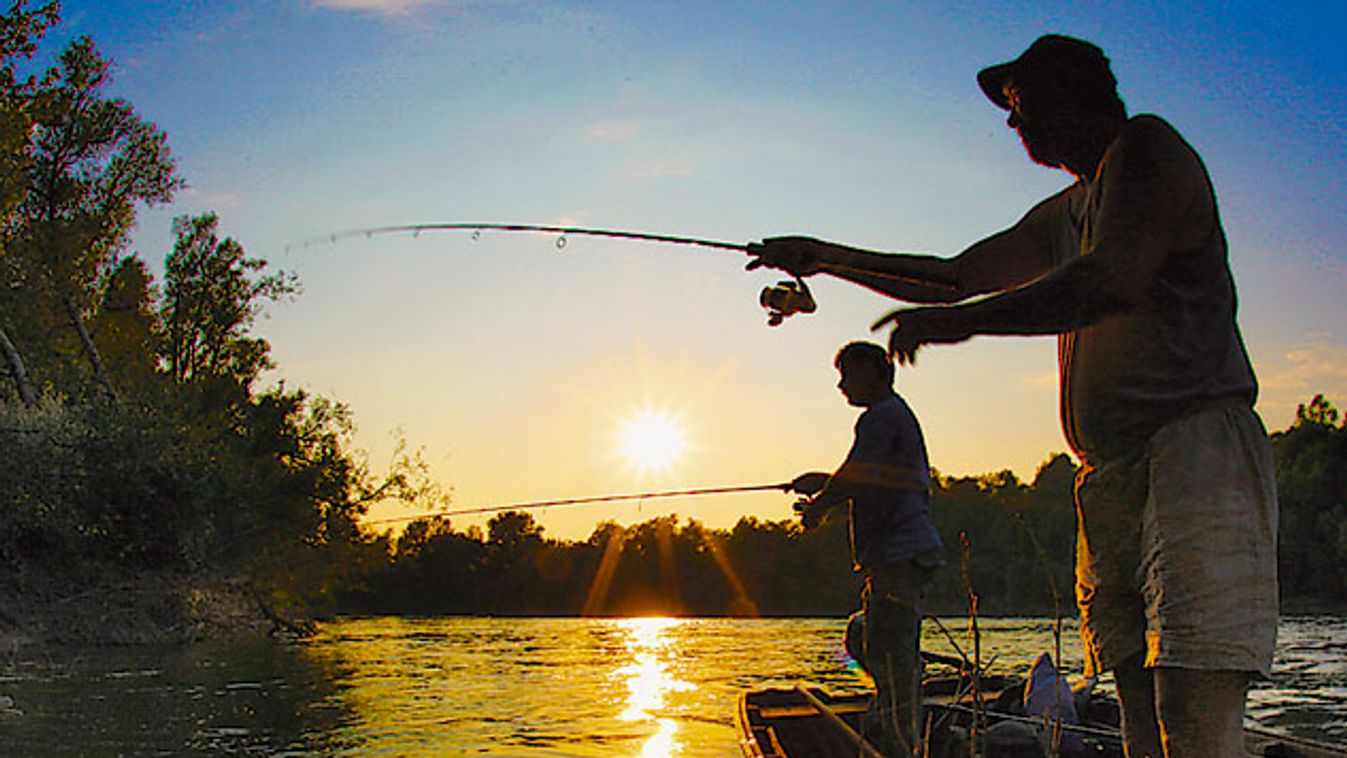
(1176, 501)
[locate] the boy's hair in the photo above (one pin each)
(866, 353)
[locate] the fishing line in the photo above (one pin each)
(417, 229)
(784, 487)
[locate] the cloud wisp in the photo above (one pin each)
(379, 7)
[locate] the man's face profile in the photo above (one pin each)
(1039, 114)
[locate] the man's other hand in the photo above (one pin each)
(914, 327)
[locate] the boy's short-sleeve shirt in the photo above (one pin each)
(891, 515)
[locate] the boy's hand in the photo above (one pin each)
(811, 513)
(810, 483)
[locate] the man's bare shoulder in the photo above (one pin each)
(1155, 182)
(1150, 155)
(1151, 135)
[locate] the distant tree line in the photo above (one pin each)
(136, 440)
(1018, 560)
(1008, 542)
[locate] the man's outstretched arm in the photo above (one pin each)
(1007, 259)
(1154, 187)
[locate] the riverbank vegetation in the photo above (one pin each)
(155, 488)
(143, 461)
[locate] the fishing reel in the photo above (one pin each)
(785, 299)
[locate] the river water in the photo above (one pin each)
(522, 687)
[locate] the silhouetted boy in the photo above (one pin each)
(886, 481)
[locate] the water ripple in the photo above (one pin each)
(535, 687)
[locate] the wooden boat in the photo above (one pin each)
(810, 723)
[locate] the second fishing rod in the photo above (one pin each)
(792, 486)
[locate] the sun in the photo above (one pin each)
(652, 440)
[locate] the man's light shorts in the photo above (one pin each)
(1176, 548)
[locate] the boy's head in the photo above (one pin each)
(866, 371)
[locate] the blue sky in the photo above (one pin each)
(513, 365)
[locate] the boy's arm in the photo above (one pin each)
(868, 469)
(853, 478)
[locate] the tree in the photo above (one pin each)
(1311, 460)
(437, 570)
(20, 32)
(514, 542)
(1319, 412)
(201, 476)
(90, 160)
(16, 367)
(127, 327)
(212, 295)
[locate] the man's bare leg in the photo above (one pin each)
(1201, 713)
(1136, 695)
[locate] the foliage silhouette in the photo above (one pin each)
(135, 442)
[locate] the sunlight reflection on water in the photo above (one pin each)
(565, 687)
(649, 681)
(669, 687)
(525, 687)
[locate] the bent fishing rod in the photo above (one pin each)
(783, 486)
(417, 229)
(784, 299)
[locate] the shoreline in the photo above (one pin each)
(124, 611)
(175, 610)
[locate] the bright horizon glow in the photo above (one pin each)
(652, 441)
